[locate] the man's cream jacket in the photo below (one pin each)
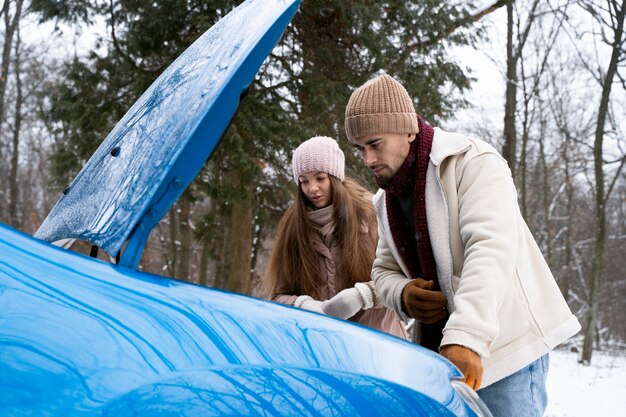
(503, 300)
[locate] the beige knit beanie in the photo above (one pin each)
(381, 105)
(321, 154)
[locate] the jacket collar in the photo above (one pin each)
(446, 144)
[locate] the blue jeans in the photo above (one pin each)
(522, 394)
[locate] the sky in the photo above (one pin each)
(486, 96)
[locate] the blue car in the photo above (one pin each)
(83, 337)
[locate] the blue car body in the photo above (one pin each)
(82, 337)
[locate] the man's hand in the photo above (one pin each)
(423, 304)
(467, 361)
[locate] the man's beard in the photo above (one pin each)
(381, 180)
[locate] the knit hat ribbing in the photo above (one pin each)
(321, 154)
(381, 105)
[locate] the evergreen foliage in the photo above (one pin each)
(330, 48)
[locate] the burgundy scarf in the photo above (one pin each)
(417, 254)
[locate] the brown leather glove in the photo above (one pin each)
(423, 304)
(467, 361)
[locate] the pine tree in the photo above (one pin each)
(330, 48)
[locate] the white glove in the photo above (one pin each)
(369, 294)
(349, 301)
(307, 303)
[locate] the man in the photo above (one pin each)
(454, 252)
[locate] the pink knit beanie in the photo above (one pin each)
(320, 153)
(381, 105)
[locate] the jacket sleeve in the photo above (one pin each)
(282, 294)
(488, 218)
(388, 276)
(284, 299)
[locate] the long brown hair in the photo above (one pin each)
(293, 267)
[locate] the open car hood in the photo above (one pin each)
(160, 145)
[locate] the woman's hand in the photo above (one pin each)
(308, 303)
(349, 301)
(344, 304)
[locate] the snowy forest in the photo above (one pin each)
(72, 68)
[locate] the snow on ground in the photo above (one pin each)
(575, 390)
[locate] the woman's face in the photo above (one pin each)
(316, 188)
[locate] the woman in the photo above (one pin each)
(326, 242)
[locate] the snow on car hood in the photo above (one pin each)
(160, 145)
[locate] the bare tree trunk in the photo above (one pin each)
(510, 132)
(545, 196)
(522, 173)
(234, 248)
(569, 198)
(601, 198)
(513, 55)
(257, 246)
(239, 247)
(10, 25)
(174, 243)
(186, 241)
(14, 217)
(204, 264)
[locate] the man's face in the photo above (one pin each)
(384, 153)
